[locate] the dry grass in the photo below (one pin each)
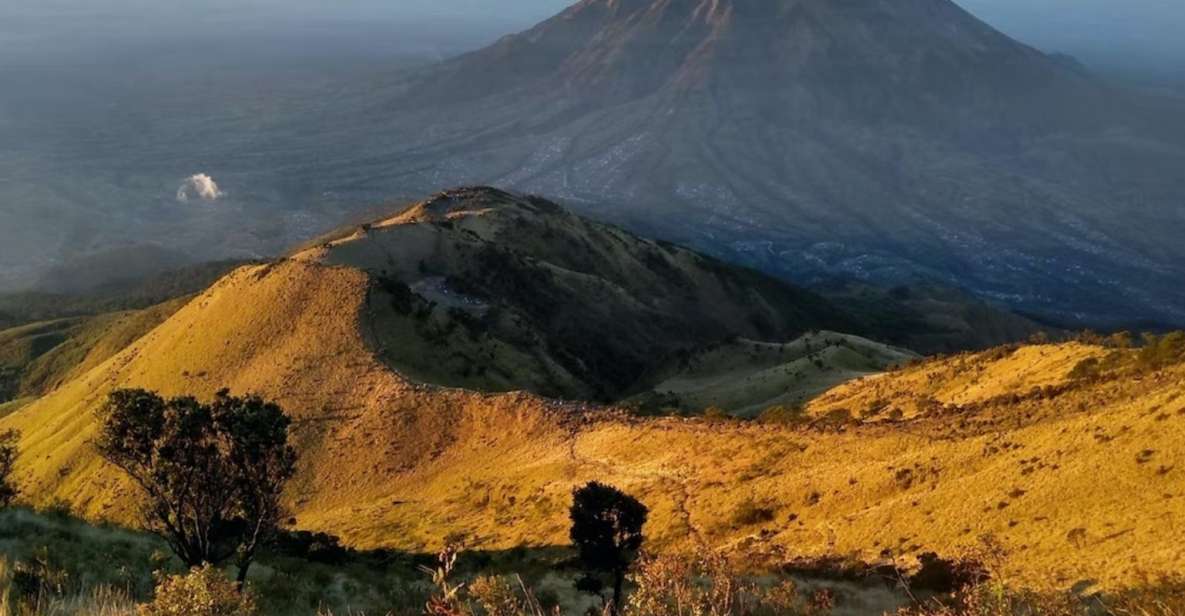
(1079, 476)
(98, 601)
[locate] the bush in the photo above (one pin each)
(314, 547)
(705, 584)
(715, 414)
(204, 591)
(751, 513)
(783, 416)
(8, 441)
(1086, 369)
(1162, 351)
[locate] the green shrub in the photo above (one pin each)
(1084, 370)
(204, 591)
(716, 414)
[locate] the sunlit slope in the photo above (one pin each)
(1080, 481)
(290, 332)
(38, 357)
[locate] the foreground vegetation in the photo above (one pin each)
(954, 399)
(55, 565)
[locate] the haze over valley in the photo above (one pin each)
(302, 118)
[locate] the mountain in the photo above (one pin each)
(892, 142)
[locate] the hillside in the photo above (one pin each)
(932, 319)
(1075, 478)
(744, 377)
(486, 290)
(37, 358)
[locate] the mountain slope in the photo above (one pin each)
(1071, 465)
(745, 377)
(885, 141)
(37, 358)
(1055, 477)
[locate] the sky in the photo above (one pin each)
(1130, 32)
(1133, 37)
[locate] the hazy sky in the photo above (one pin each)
(1120, 32)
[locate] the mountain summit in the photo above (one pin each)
(814, 50)
(815, 139)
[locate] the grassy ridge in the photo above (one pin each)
(392, 464)
(36, 358)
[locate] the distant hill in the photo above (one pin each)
(745, 378)
(932, 319)
(129, 292)
(492, 291)
(35, 359)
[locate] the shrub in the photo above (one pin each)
(504, 596)
(1162, 351)
(835, 419)
(496, 596)
(715, 414)
(705, 584)
(204, 591)
(314, 547)
(1085, 370)
(783, 416)
(8, 442)
(751, 512)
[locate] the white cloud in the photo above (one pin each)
(199, 186)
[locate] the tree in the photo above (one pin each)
(212, 474)
(8, 441)
(607, 532)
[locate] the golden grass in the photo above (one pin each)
(1083, 485)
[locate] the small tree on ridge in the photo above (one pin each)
(607, 531)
